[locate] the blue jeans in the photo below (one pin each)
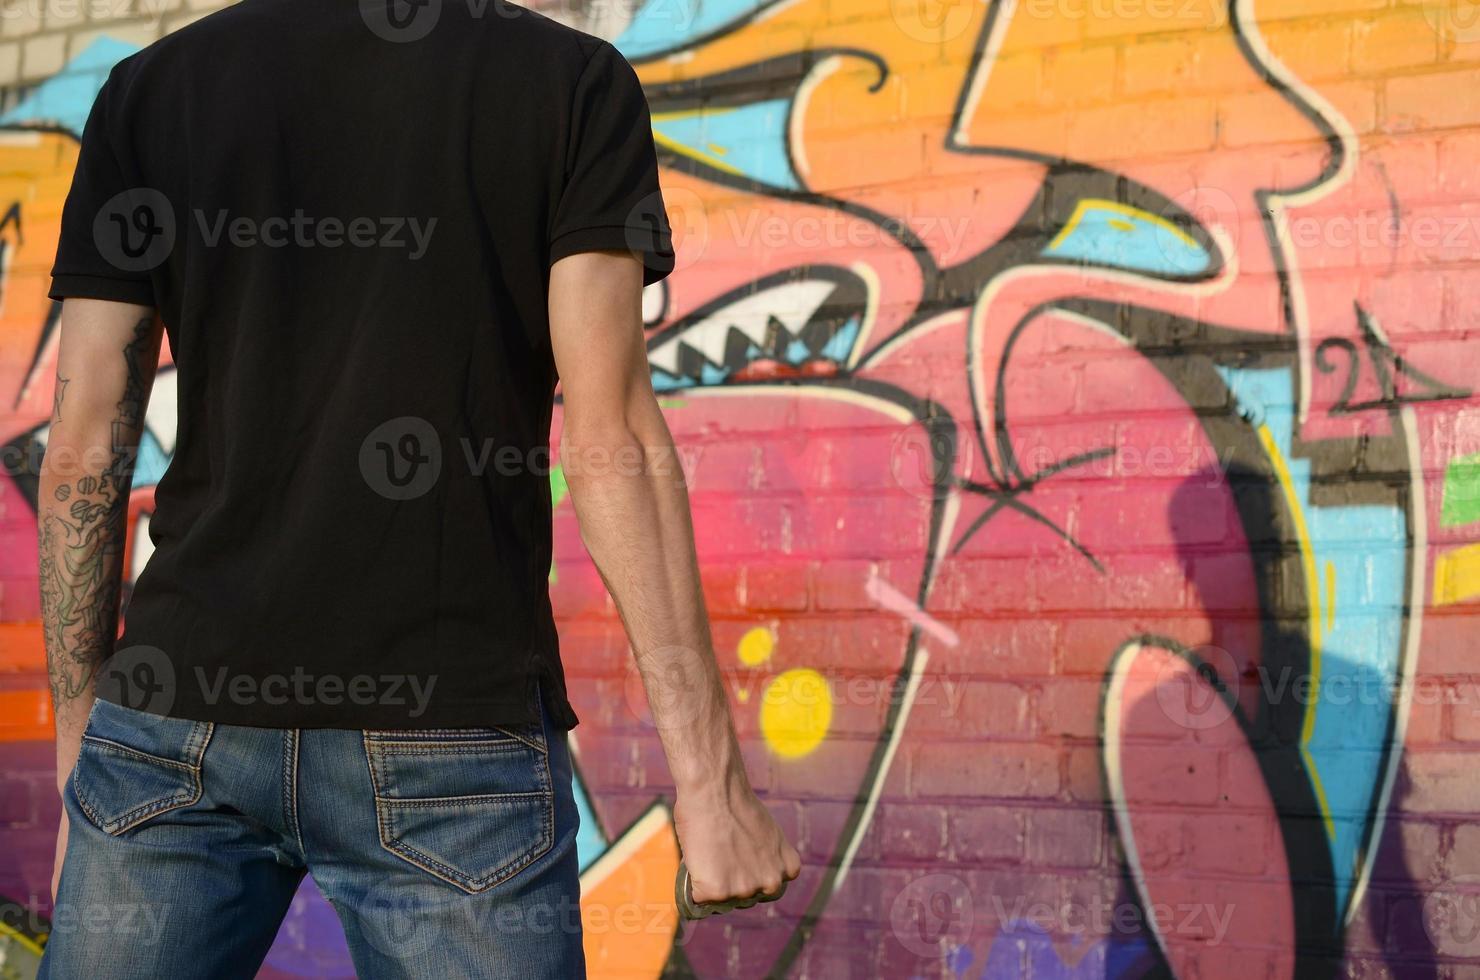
(446, 852)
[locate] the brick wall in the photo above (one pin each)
(39, 38)
(1078, 402)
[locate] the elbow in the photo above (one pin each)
(77, 449)
(600, 451)
(617, 442)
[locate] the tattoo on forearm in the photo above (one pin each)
(56, 402)
(82, 530)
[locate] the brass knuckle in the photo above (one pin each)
(683, 894)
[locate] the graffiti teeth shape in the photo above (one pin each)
(792, 322)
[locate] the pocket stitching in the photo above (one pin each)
(456, 877)
(136, 753)
(385, 805)
(388, 737)
(439, 748)
(537, 746)
(132, 818)
(394, 801)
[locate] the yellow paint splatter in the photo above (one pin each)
(1457, 575)
(756, 646)
(796, 712)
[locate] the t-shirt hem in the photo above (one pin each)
(655, 251)
(74, 286)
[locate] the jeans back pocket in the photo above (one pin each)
(134, 766)
(471, 806)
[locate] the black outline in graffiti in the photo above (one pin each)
(1388, 367)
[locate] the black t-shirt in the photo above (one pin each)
(346, 221)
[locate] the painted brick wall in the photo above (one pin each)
(1077, 398)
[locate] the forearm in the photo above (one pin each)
(81, 524)
(82, 513)
(632, 501)
(630, 497)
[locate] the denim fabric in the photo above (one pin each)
(446, 852)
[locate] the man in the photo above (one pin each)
(375, 237)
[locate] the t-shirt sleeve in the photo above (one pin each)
(611, 198)
(105, 251)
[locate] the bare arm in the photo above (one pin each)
(623, 475)
(105, 368)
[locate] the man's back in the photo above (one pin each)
(373, 243)
(346, 221)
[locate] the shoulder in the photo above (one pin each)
(223, 31)
(557, 46)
